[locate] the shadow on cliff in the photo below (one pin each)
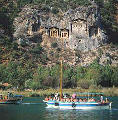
(113, 37)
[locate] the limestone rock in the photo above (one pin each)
(83, 25)
(75, 30)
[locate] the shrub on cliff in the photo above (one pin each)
(55, 10)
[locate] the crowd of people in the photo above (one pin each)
(74, 98)
(8, 96)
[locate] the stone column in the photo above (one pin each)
(46, 29)
(70, 28)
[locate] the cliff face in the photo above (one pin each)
(78, 31)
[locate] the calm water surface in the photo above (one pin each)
(35, 109)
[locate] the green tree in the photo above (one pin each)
(3, 75)
(114, 77)
(16, 75)
(69, 76)
(105, 76)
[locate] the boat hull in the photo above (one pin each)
(14, 101)
(77, 105)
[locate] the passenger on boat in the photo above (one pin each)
(5, 97)
(58, 99)
(50, 98)
(62, 99)
(46, 99)
(89, 100)
(65, 96)
(101, 98)
(1, 97)
(9, 95)
(85, 100)
(80, 100)
(74, 96)
(71, 99)
(92, 99)
(106, 100)
(56, 96)
(68, 100)
(75, 100)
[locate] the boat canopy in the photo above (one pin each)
(86, 93)
(18, 95)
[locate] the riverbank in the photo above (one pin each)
(47, 92)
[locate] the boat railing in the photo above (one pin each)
(13, 97)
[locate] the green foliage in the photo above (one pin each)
(5, 40)
(35, 85)
(97, 75)
(88, 76)
(114, 76)
(23, 76)
(54, 45)
(37, 50)
(108, 10)
(22, 3)
(3, 74)
(8, 12)
(46, 9)
(15, 46)
(48, 77)
(81, 2)
(100, 52)
(23, 43)
(69, 77)
(55, 10)
(15, 74)
(36, 38)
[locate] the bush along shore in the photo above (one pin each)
(93, 76)
(42, 93)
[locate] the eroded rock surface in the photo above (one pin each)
(75, 30)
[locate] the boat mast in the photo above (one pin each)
(61, 77)
(61, 62)
(61, 67)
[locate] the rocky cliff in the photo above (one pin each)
(82, 25)
(76, 32)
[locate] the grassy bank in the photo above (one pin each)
(106, 91)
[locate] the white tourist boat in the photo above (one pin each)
(77, 105)
(69, 103)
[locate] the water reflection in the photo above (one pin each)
(57, 114)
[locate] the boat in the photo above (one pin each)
(16, 99)
(78, 103)
(75, 103)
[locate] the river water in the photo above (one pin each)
(35, 109)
